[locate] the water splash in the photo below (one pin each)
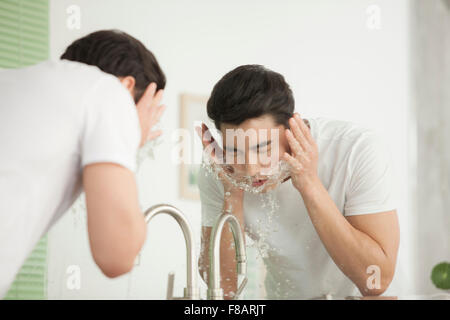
(274, 175)
(266, 224)
(78, 211)
(148, 151)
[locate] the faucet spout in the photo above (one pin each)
(215, 292)
(191, 291)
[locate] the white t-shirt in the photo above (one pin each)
(55, 118)
(355, 167)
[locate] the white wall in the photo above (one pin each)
(337, 68)
(431, 62)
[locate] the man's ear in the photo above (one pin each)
(128, 82)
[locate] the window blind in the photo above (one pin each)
(23, 32)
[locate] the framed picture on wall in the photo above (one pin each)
(192, 113)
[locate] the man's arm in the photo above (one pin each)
(356, 242)
(116, 225)
(383, 229)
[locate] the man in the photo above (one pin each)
(72, 125)
(335, 229)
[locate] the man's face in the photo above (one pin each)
(253, 150)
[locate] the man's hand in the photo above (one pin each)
(304, 155)
(149, 111)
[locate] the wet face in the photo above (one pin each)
(253, 150)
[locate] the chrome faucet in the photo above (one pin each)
(191, 292)
(215, 292)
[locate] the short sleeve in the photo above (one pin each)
(211, 197)
(111, 126)
(370, 188)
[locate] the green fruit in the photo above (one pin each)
(441, 275)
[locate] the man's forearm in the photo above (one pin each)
(233, 203)
(352, 250)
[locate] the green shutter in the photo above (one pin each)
(31, 281)
(23, 32)
(24, 41)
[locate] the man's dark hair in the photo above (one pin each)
(250, 91)
(119, 54)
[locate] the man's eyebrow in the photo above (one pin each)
(261, 145)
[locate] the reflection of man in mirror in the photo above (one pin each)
(335, 214)
(76, 124)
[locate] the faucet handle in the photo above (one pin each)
(170, 284)
(241, 288)
(188, 294)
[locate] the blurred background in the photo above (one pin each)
(381, 63)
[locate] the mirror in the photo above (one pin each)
(379, 68)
